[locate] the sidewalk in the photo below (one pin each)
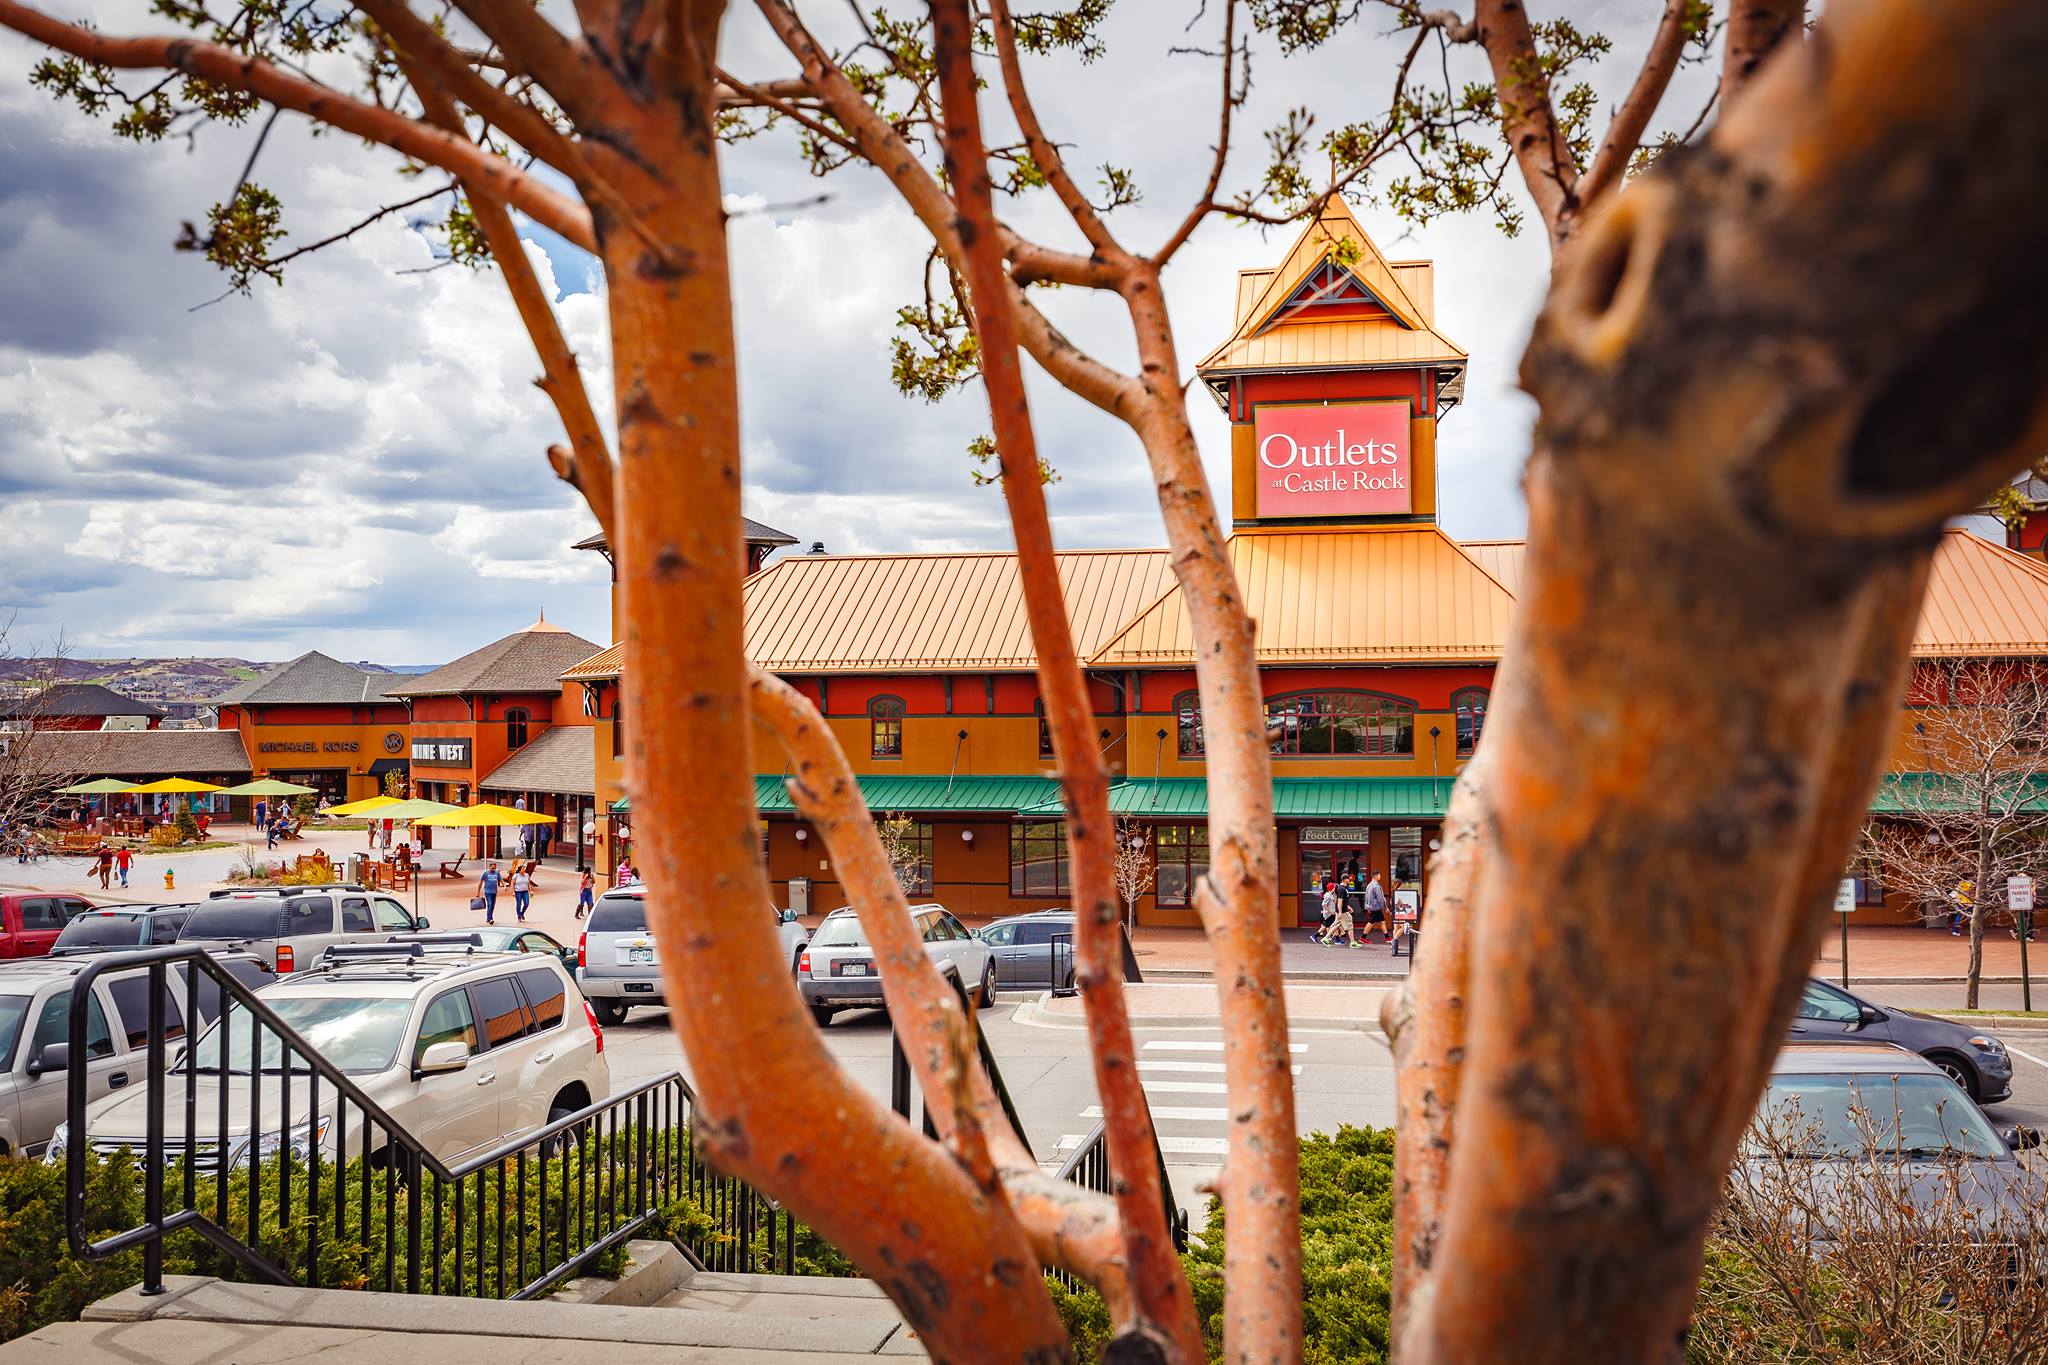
(1905, 952)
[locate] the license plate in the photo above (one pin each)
(638, 956)
(640, 986)
(853, 969)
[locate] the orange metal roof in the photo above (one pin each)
(868, 613)
(1982, 599)
(1501, 558)
(603, 665)
(1393, 594)
(1408, 290)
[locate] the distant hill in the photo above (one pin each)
(165, 682)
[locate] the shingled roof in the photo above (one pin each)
(757, 534)
(312, 677)
(75, 699)
(531, 660)
(558, 760)
(134, 753)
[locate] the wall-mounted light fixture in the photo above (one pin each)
(803, 836)
(966, 836)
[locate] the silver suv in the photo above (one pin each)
(616, 962)
(837, 970)
(464, 1049)
(35, 1033)
(290, 929)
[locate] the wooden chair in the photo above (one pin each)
(401, 877)
(451, 868)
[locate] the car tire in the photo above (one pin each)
(823, 1015)
(608, 1012)
(988, 986)
(1959, 1071)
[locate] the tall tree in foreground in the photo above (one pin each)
(1979, 815)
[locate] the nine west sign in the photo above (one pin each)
(441, 753)
(1339, 460)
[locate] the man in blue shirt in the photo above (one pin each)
(487, 887)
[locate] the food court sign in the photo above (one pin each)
(1336, 460)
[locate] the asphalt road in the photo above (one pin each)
(2029, 1102)
(1343, 1076)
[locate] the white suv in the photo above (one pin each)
(837, 971)
(465, 1050)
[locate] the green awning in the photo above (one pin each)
(1371, 798)
(1933, 793)
(888, 793)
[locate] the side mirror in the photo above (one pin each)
(1868, 1015)
(568, 956)
(50, 1057)
(2021, 1138)
(423, 923)
(440, 1059)
(789, 917)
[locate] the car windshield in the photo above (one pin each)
(1909, 1116)
(233, 919)
(839, 931)
(100, 931)
(619, 915)
(355, 1035)
(13, 1009)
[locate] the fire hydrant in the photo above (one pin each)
(170, 883)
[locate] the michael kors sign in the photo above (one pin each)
(306, 746)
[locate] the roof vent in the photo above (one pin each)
(817, 547)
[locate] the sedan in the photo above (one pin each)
(1032, 950)
(1974, 1060)
(836, 969)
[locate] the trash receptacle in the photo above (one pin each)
(358, 868)
(800, 895)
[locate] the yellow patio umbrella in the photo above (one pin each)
(362, 807)
(487, 813)
(177, 784)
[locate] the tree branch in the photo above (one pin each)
(1625, 131)
(1206, 204)
(1043, 152)
(1528, 121)
(561, 65)
(1755, 29)
(1163, 1306)
(252, 75)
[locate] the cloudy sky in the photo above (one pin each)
(353, 461)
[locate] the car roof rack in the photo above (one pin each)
(360, 952)
(467, 939)
(317, 889)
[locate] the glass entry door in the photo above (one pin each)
(1331, 862)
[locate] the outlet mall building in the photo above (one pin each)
(1378, 635)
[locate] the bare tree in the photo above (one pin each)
(1977, 812)
(1135, 868)
(32, 775)
(900, 845)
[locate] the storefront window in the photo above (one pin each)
(1038, 858)
(515, 727)
(1469, 705)
(909, 845)
(1339, 723)
(1187, 710)
(1404, 843)
(1182, 852)
(1044, 732)
(885, 727)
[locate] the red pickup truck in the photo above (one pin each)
(31, 920)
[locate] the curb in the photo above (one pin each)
(1168, 975)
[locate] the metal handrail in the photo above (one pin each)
(629, 1155)
(1088, 1167)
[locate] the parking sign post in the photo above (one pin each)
(2019, 898)
(1845, 906)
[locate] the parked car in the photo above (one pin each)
(31, 920)
(1853, 1109)
(289, 931)
(35, 1033)
(1035, 949)
(109, 929)
(465, 1051)
(1971, 1058)
(495, 938)
(616, 961)
(837, 970)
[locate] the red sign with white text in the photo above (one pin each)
(1343, 460)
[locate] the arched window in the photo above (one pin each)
(885, 727)
(1187, 712)
(1044, 730)
(515, 727)
(1468, 704)
(1341, 724)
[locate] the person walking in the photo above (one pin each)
(487, 887)
(122, 858)
(1331, 900)
(103, 858)
(1376, 911)
(585, 893)
(262, 811)
(522, 892)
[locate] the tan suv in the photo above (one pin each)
(464, 1049)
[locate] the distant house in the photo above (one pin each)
(78, 706)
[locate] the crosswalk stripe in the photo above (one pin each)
(1204, 1046)
(1186, 1088)
(1206, 1068)
(1168, 1111)
(1172, 1146)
